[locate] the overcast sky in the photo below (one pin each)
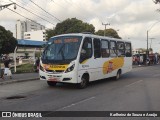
(132, 18)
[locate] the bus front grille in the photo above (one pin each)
(55, 71)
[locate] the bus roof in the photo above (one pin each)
(91, 35)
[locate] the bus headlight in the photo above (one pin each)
(69, 69)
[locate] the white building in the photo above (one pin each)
(26, 26)
(39, 35)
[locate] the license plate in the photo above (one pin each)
(53, 79)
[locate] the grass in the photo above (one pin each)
(25, 68)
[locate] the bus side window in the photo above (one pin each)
(128, 50)
(113, 50)
(120, 49)
(105, 48)
(86, 51)
(97, 48)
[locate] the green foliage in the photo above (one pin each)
(25, 68)
(141, 50)
(26, 54)
(38, 54)
(7, 41)
(100, 32)
(50, 33)
(72, 25)
(108, 32)
(150, 49)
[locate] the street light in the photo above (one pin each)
(7, 5)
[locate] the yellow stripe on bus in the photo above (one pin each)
(55, 67)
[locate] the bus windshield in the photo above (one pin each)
(62, 49)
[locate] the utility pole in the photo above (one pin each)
(105, 28)
(7, 5)
(147, 52)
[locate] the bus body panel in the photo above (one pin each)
(104, 68)
(96, 68)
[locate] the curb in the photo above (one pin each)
(16, 81)
(136, 66)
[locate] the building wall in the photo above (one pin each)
(26, 26)
(39, 35)
(20, 29)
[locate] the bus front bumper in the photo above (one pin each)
(60, 77)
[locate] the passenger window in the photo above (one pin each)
(97, 48)
(86, 51)
(120, 49)
(113, 50)
(128, 51)
(105, 48)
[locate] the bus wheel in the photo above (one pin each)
(51, 83)
(118, 75)
(83, 83)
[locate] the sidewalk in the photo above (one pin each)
(19, 78)
(134, 66)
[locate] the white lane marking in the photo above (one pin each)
(6, 91)
(133, 83)
(156, 75)
(73, 104)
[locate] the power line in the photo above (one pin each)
(34, 10)
(45, 10)
(32, 13)
(69, 2)
(58, 4)
(22, 15)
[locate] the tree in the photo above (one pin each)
(150, 49)
(109, 32)
(50, 33)
(73, 25)
(141, 50)
(7, 41)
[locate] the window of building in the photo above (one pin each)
(105, 48)
(113, 49)
(120, 49)
(27, 38)
(97, 48)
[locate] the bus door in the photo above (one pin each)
(86, 54)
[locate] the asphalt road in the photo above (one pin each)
(137, 90)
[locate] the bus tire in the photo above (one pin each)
(51, 83)
(84, 81)
(118, 75)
